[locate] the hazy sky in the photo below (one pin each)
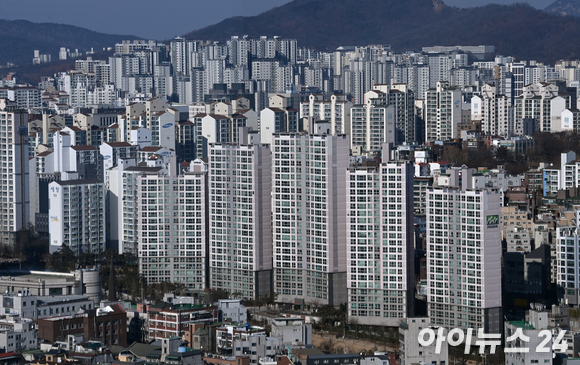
(157, 19)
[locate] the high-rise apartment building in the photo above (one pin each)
(309, 217)
(442, 112)
(278, 120)
(540, 102)
(493, 111)
(14, 211)
(77, 216)
(240, 219)
(181, 50)
(380, 249)
(336, 111)
(403, 100)
(172, 227)
(517, 69)
(372, 124)
(464, 257)
(123, 198)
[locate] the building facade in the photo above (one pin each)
(309, 213)
(77, 216)
(464, 259)
(240, 219)
(172, 229)
(15, 209)
(442, 112)
(380, 248)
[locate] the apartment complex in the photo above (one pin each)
(336, 111)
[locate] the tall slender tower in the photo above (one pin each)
(443, 112)
(240, 219)
(464, 257)
(309, 217)
(380, 249)
(14, 210)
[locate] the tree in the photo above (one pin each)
(271, 299)
(217, 294)
(327, 345)
(30, 247)
(314, 304)
(63, 260)
(502, 154)
(455, 155)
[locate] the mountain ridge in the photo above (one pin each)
(19, 39)
(518, 30)
(564, 7)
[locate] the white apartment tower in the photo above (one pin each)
(442, 112)
(493, 111)
(372, 124)
(123, 196)
(77, 216)
(181, 50)
(309, 217)
(336, 111)
(172, 228)
(464, 257)
(240, 219)
(14, 213)
(380, 249)
(540, 102)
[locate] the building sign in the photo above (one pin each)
(492, 221)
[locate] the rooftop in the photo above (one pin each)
(56, 299)
(522, 324)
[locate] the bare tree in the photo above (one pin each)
(327, 345)
(314, 304)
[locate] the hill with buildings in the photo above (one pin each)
(519, 30)
(564, 7)
(19, 39)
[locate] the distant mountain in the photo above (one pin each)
(518, 30)
(564, 7)
(19, 39)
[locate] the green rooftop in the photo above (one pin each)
(522, 324)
